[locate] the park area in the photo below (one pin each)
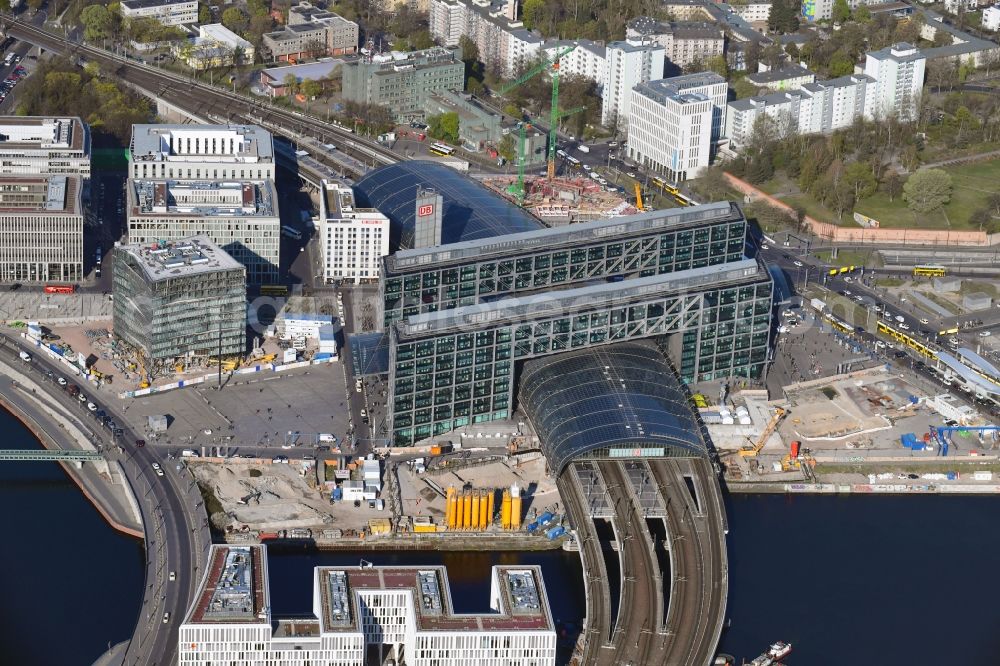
(974, 183)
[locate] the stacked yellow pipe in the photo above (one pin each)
(449, 507)
(484, 520)
(466, 510)
(515, 508)
(475, 510)
(505, 510)
(490, 513)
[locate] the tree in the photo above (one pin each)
(743, 89)
(859, 177)
(290, 83)
(204, 13)
(941, 38)
(980, 218)
(841, 64)
(443, 126)
(35, 5)
(893, 185)
(531, 12)
(507, 147)
(927, 190)
(234, 19)
(841, 11)
(862, 14)
(718, 65)
(98, 23)
(311, 89)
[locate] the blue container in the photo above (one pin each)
(338, 494)
(532, 526)
(56, 348)
(952, 476)
(556, 532)
(545, 518)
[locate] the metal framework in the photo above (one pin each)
(448, 370)
(22, 455)
(640, 246)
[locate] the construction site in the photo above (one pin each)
(565, 199)
(859, 428)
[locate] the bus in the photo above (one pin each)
(291, 233)
(572, 160)
(949, 331)
(273, 290)
(438, 148)
(659, 182)
(929, 270)
(60, 288)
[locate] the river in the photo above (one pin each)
(71, 583)
(859, 580)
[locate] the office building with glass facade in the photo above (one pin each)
(179, 299)
(501, 288)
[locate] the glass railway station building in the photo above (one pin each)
(476, 285)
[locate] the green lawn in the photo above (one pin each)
(973, 184)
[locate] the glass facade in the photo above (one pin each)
(179, 315)
(618, 401)
(664, 242)
(446, 377)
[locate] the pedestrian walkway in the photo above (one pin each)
(928, 304)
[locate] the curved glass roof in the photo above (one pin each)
(471, 211)
(623, 395)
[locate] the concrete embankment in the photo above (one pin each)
(899, 488)
(512, 542)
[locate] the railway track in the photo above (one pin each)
(209, 101)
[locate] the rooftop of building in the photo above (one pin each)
(43, 133)
(765, 100)
(398, 61)
(553, 238)
(470, 210)
(576, 299)
(339, 203)
(207, 198)
(221, 33)
(155, 143)
(54, 195)
(784, 73)
(147, 4)
(839, 82)
(890, 7)
(677, 88)
(965, 43)
(597, 48)
(619, 395)
(320, 69)
(167, 260)
(635, 45)
(647, 25)
(234, 588)
(522, 598)
(899, 52)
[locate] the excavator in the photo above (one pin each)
(754, 450)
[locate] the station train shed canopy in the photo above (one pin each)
(471, 212)
(617, 401)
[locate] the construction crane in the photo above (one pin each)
(638, 196)
(940, 434)
(550, 65)
(752, 451)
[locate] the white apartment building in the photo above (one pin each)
(956, 6)
(898, 71)
(240, 217)
(41, 229)
(630, 63)
(683, 42)
(201, 152)
(818, 10)
(167, 12)
(399, 611)
(353, 240)
(214, 46)
(991, 18)
(670, 131)
(503, 44)
(789, 77)
(588, 59)
(39, 145)
(753, 12)
(820, 107)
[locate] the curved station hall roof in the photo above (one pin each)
(471, 212)
(615, 401)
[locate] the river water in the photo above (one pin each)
(847, 580)
(71, 584)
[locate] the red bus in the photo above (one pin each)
(60, 288)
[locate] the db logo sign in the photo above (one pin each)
(424, 211)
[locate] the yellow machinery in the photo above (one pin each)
(484, 504)
(466, 510)
(752, 451)
(451, 508)
(638, 197)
